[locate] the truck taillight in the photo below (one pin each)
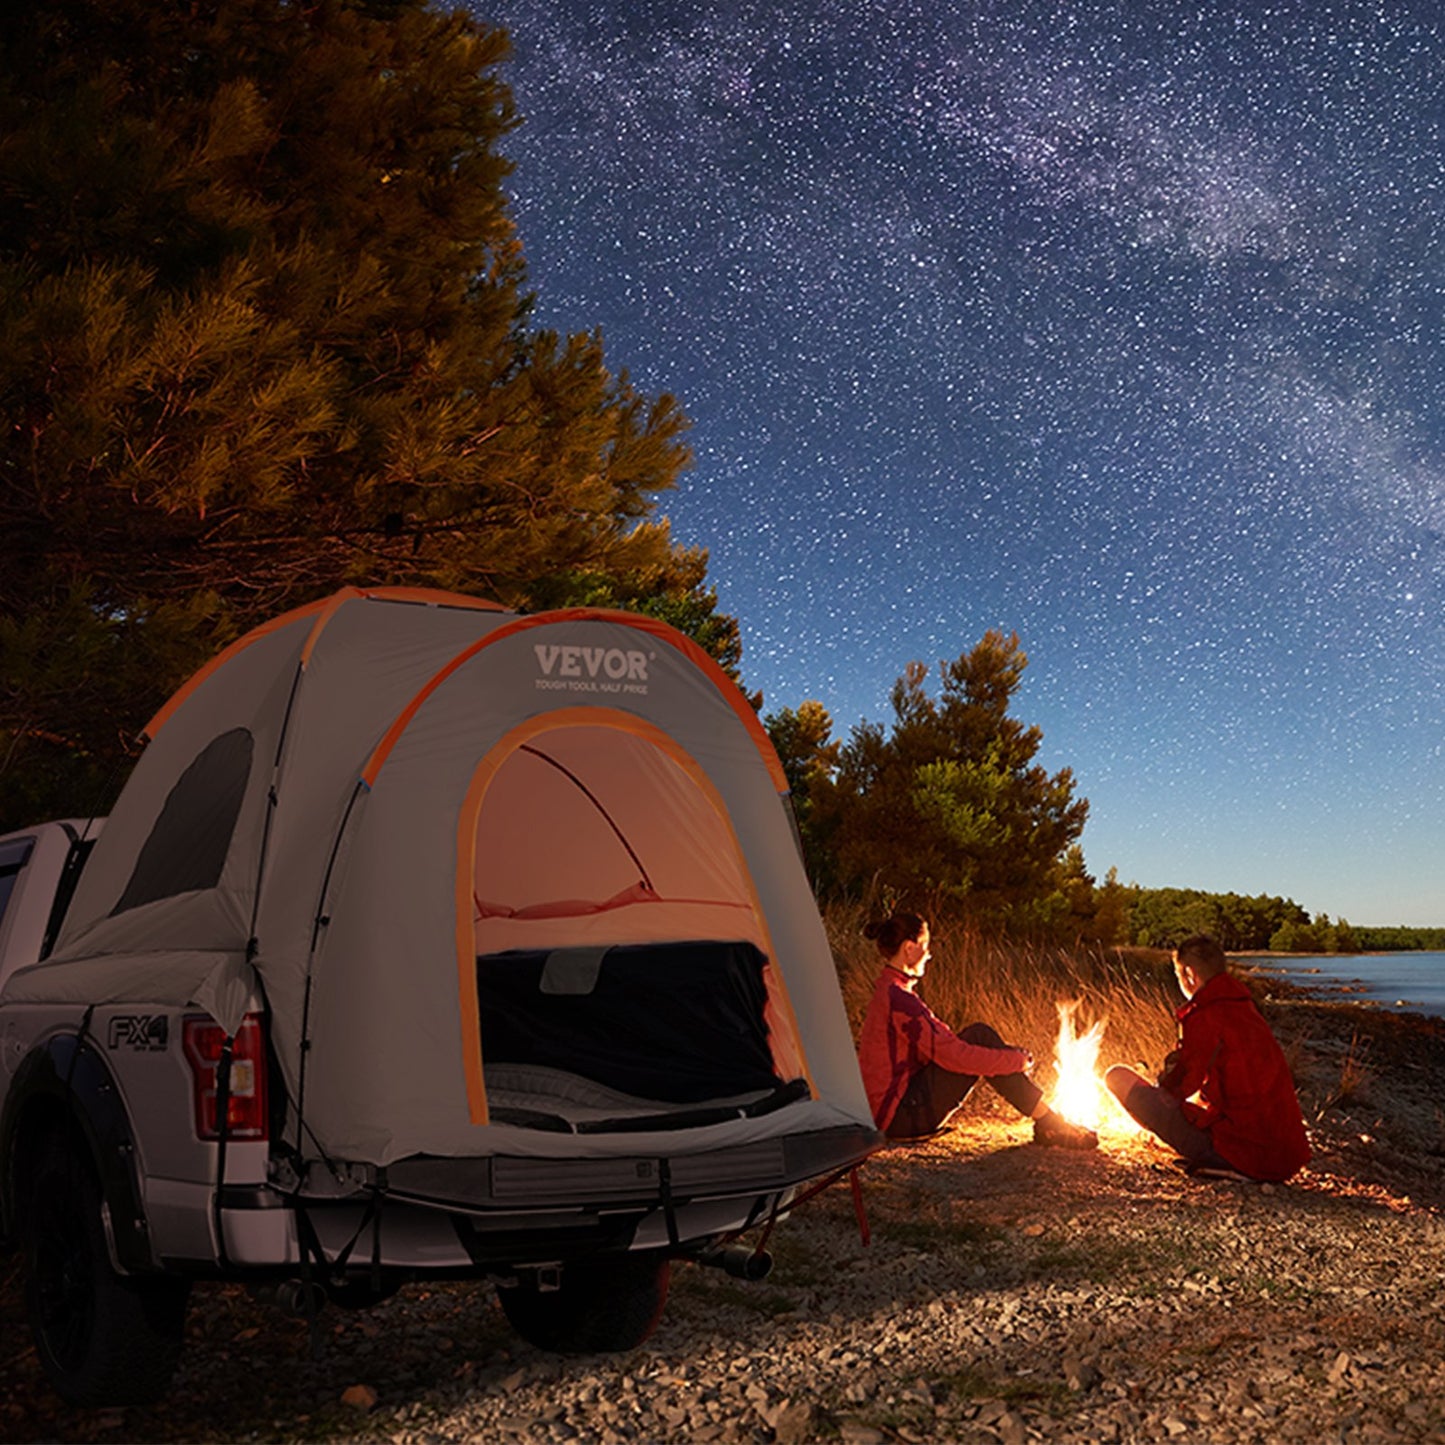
(246, 1101)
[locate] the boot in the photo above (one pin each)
(1060, 1133)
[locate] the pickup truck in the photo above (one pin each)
(425, 941)
(110, 1151)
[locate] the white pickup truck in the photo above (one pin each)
(110, 1153)
(424, 941)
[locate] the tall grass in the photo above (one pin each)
(1018, 987)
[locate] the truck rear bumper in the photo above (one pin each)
(418, 1240)
(428, 1215)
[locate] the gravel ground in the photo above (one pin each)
(1008, 1294)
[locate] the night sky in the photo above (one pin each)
(1115, 325)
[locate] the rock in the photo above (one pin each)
(990, 1412)
(792, 1422)
(917, 1393)
(855, 1432)
(359, 1397)
(1011, 1429)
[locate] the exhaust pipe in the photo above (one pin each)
(739, 1261)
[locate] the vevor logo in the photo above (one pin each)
(590, 669)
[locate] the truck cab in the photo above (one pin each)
(38, 872)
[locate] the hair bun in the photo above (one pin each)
(873, 930)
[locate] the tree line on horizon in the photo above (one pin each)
(265, 331)
(946, 813)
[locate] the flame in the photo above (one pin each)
(1079, 1092)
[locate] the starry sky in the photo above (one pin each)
(1117, 325)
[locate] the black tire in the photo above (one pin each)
(103, 1339)
(607, 1304)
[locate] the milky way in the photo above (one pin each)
(1119, 326)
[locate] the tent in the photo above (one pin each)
(521, 885)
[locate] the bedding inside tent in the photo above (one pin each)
(623, 974)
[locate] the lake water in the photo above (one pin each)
(1403, 982)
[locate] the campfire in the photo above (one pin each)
(1079, 1094)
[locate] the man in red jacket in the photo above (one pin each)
(1246, 1119)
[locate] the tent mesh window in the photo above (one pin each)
(187, 847)
(671, 1023)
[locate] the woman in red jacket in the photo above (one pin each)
(1247, 1120)
(918, 1071)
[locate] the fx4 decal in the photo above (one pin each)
(142, 1033)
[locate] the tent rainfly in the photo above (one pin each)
(522, 885)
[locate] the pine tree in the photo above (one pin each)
(264, 331)
(950, 805)
(803, 740)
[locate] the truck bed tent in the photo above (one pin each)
(509, 885)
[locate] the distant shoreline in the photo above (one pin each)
(1304, 983)
(1361, 953)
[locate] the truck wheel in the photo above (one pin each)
(612, 1303)
(103, 1339)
